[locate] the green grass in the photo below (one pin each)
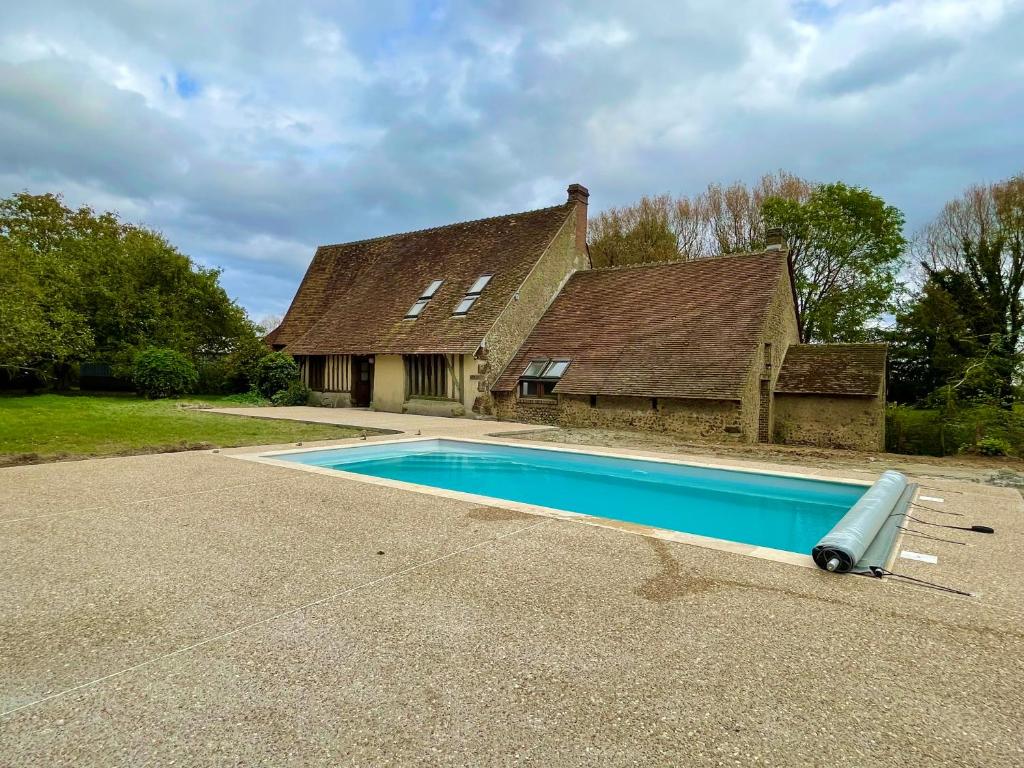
(51, 427)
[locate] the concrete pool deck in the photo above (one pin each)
(197, 609)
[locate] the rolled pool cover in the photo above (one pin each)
(842, 548)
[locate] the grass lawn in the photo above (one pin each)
(51, 427)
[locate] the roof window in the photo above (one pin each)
(417, 309)
(545, 369)
(472, 295)
(476, 288)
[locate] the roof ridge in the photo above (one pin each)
(444, 226)
(844, 344)
(679, 262)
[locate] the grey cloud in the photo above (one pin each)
(490, 107)
(887, 65)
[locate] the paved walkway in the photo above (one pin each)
(398, 422)
(195, 609)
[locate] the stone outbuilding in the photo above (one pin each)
(690, 347)
(832, 395)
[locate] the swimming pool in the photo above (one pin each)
(764, 510)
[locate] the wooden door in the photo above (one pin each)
(362, 381)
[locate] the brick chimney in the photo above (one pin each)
(579, 195)
(774, 239)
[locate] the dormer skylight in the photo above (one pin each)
(417, 309)
(472, 295)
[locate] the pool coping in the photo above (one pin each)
(693, 539)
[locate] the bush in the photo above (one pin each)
(297, 393)
(213, 377)
(275, 372)
(993, 446)
(242, 363)
(941, 432)
(161, 372)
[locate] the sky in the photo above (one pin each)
(250, 132)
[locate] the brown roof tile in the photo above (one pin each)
(685, 329)
(833, 369)
(354, 296)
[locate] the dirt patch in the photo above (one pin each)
(670, 581)
(495, 514)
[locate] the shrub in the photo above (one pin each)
(242, 363)
(993, 446)
(297, 393)
(275, 372)
(161, 372)
(213, 376)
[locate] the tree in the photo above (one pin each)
(930, 345)
(721, 219)
(845, 243)
(845, 249)
(79, 285)
(975, 249)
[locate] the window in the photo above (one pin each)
(472, 295)
(426, 376)
(555, 369)
(536, 388)
(541, 376)
(464, 305)
(417, 309)
(479, 285)
(535, 368)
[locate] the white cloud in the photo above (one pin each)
(249, 132)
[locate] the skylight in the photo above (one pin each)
(464, 305)
(535, 368)
(555, 369)
(472, 295)
(545, 369)
(417, 309)
(479, 285)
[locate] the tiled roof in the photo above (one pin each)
(354, 296)
(833, 369)
(685, 329)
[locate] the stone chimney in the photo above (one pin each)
(579, 195)
(774, 239)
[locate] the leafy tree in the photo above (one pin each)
(85, 286)
(845, 248)
(975, 250)
(845, 243)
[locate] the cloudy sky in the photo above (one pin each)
(250, 132)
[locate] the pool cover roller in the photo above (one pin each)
(844, 546)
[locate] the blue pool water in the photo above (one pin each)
(752, 508)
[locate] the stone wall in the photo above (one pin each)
(779, 331)
(562, 257)
(856, 423)
(696, 419)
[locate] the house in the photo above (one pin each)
(504, 317)
(690, 347)
(422, 322)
